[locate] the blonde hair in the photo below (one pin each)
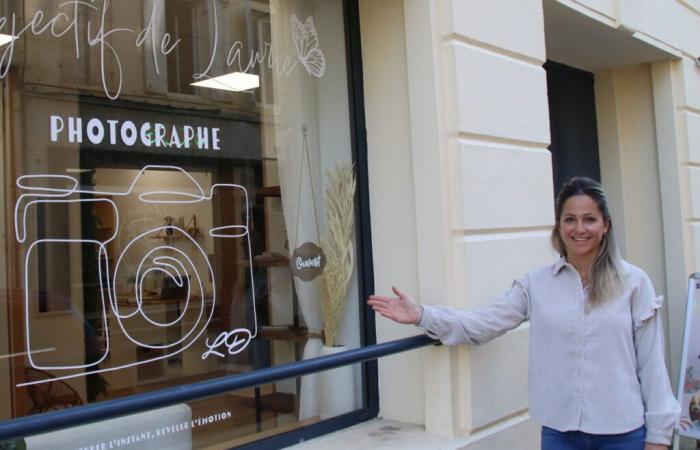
(605, 275)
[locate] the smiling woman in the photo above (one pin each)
(583, 234)
(582, 226)
(596, 341)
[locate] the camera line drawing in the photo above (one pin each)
(166, 259)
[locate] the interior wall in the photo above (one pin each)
(60, 333)
(136, 216)
(5, 372)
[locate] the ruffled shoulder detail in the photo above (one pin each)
(644, 301)
(645, 308)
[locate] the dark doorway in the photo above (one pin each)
(572, 122)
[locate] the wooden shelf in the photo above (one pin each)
(279, 402)
(285, 333)
(272, 262)
(268, 191)
(281, 262)
(167, 238)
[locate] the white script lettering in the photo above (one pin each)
(98, 34)
(241, 339)
(311, 262)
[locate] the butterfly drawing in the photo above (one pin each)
(306, 45)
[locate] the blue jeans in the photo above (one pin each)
(578, 440)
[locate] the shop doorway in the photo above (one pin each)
(572, 122)
(620, 72)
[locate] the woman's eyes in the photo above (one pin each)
(585, 219)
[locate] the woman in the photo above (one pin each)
(597, 378)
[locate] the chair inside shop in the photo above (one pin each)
(49, 394)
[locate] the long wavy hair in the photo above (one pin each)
(605, 275)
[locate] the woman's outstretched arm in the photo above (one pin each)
(452, 326)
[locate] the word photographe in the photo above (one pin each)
(127, 133)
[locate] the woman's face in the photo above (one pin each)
(581, 227)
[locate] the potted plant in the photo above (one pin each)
(336, 385)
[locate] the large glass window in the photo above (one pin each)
(179, 196)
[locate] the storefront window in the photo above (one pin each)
(179, 206)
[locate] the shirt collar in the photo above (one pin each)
(561, 263)
(556, 268)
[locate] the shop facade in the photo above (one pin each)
(165, 161)
(480, 110)
(183, 188)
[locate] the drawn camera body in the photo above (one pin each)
(168, 252)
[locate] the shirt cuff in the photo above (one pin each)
(658, 437)
(429, 322)
(425, 316)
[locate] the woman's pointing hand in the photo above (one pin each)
(402, 309)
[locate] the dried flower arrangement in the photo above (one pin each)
(337, 247)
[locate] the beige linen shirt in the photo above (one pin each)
(599, 370)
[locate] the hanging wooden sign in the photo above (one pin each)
(307, 261)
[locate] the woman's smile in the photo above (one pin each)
(582, 228)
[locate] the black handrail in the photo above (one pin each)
(108, 409)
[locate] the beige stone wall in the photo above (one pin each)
(447, 141)
(492, 58)
(457, 111)
(392, 199)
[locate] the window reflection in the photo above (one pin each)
(150, 218)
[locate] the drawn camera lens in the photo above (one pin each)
(168, 291)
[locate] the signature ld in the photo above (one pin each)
(233, 342)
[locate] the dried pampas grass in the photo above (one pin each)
(337, 247)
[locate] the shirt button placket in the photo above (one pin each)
(580, 361)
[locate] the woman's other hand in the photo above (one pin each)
(650, 446)
(402, 309)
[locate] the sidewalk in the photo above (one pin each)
(381, 435)
(389, 435)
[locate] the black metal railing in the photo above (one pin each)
(108, 409)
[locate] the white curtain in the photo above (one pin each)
(320, 105)
(295, 107)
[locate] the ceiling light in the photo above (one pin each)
(236, 82)
(6, 39)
